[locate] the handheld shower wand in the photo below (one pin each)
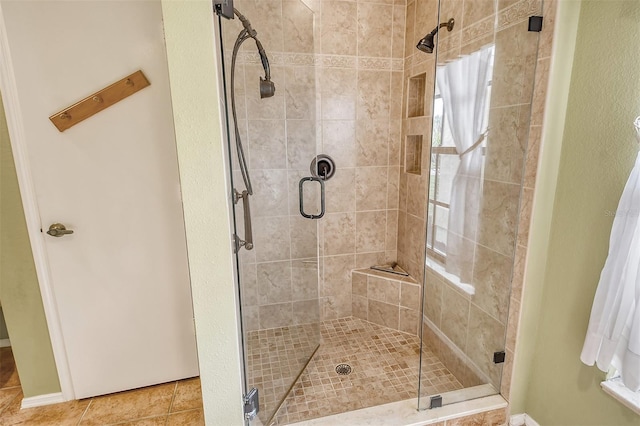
(267, 88)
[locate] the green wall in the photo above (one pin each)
(597, 154)
(19, 290)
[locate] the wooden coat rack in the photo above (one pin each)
(99, 101)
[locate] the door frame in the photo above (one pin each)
(32, 216)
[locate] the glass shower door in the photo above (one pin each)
(476, 187)
(278, 267)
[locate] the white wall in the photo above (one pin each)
(193, 72)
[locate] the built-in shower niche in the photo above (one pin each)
(413, 154)
(416, 95)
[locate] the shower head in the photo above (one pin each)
(267, 88)
(426, 43)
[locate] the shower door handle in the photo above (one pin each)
(301, 195)
(247, 243)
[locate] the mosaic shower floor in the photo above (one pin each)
(384, 368)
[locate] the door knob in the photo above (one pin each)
(58, 230)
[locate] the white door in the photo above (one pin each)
(121, 280)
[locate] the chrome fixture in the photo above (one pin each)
(426, 44)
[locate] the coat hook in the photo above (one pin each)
(129, 82)
(97, 99)
(65, 116)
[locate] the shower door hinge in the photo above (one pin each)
(223, 8)
(251, 405)
(435, 401)
(535, 24)
(498, 357)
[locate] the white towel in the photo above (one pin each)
(613, 335)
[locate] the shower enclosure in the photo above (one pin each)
(428, 179)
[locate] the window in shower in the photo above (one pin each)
(444, 163)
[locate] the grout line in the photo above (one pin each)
(85, 411)
(173, 397)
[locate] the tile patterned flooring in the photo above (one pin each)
(170, 404)
(275, 357)
(384, 366)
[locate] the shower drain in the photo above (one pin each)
(343, 369)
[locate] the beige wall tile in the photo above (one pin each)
(399, 29)
(304, 280)
(251, 317)
(486, 336)
(416, 229)
(340, 233)
(533, 153)
(374, 88)
(506, 145)
(489, 418)
(338, 88)
(512, 325)
(499, 216)
(359, 284)
(375, 23)
(339, 27)
(274, 282)
(249, 284)
(267, 147)
(383, 290)
(548, 24)
(371, 188)
(417, 194)
(514, 66)
(270, 196)
(410, 296)
(372, 142)
(276, 315)
(370, 231)
(455, 316)
(492, 281)
(383, 314)
(339, 141)
(300, 92)
(540, 92)
(524, 220)
(518, 272)
(304, 237)
(409, 320)
(359, 308)
(301, 147)
(366, 260)
(391, 238)
(266, 18)
(271, 238)
(433, 298)
(305, 312)
(410, 22)
(298, 22)
(341, 191)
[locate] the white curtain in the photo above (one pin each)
(463, 86)
(613, 335)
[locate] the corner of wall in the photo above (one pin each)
(565, 33)
(193, 72)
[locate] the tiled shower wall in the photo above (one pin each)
(465, 330)
(337, 66)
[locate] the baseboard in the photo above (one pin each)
(5, 343)
(40, 400)
(522, 420)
